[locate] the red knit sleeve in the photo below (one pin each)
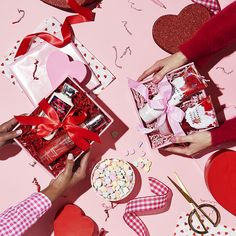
(214, 35)
(225, 133)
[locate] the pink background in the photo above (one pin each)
(100, 36)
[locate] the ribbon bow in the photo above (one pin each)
(173, 114)
(46, 125)
(143, 205)
(84, 15)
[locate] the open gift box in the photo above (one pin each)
(31, 70)
(176, 106)
(67, 121)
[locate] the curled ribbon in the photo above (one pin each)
(46, 125)
(161, 201)
(84, 15)
(173, 114)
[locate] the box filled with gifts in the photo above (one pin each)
(176, 106)
(67, 121)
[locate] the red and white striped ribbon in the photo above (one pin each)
(146, 204)
(212, 5)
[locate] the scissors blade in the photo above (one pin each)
(185, 195)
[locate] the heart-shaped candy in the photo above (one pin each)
(71, 221)
(59, 67)
(220, 177)
(170, 31)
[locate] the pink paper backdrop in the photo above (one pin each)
(100, 37)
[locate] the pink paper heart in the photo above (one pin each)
(59, 67)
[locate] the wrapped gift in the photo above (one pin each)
(51, 25)
(176, 106)
(67, 121)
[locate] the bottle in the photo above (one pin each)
(63, 144)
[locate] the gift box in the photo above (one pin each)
(30, 71)
(67, 121)
(176, 106)
(53, 26)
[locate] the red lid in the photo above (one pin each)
(72, 221)
(220, 177)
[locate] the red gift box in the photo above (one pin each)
(67, 121)
(178, 105)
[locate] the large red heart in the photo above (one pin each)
(170, 31)
(63, 3)
(72, 221)
(220, 177)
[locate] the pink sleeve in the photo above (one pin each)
(17, 219)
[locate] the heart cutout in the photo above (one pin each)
(72, 221)
(59, 67)
(62, 4)
(170, 31)
(220, 177)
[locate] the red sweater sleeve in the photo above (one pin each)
(214, 35)
(225, 133)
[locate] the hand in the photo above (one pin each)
(197, 142)
(160, 68)
(67, 178)
(6, 133)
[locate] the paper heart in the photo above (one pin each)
(59, 67)
(170, 31)
(63, 3)
(220, 177)
(72, 221)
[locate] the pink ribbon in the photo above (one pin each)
(143, 205)
(173, 114)
(212, 5)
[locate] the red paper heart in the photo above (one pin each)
(63, 4)
(72, 221)
(170, 31)
(220, 177)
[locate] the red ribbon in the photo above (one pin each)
(84, 15)
(46, 125)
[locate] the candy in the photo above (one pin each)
(143, 164)
(113, 179)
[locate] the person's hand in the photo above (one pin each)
(196, 143)
(6, 133)
(67, 178)
(160, 68)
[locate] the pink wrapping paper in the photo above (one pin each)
(30, 70)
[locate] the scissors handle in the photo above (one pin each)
(200, 208)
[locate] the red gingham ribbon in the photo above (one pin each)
(146, 204)
(212, 5)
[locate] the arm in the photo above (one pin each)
(17, 219)
(202, 140)
(214, 35)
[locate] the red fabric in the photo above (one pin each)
(226, 133)
(214, 35)
(220, 177)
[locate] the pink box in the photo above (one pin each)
(191, 103)
(52, 150)
(30, 70)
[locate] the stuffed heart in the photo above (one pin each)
(63, 3)
(220, 177)
(71, 221)
(170, 31)
(59, 67)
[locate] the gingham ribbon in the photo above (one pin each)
(212, 5)
(146, 204)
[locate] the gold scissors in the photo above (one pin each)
(197, 208)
